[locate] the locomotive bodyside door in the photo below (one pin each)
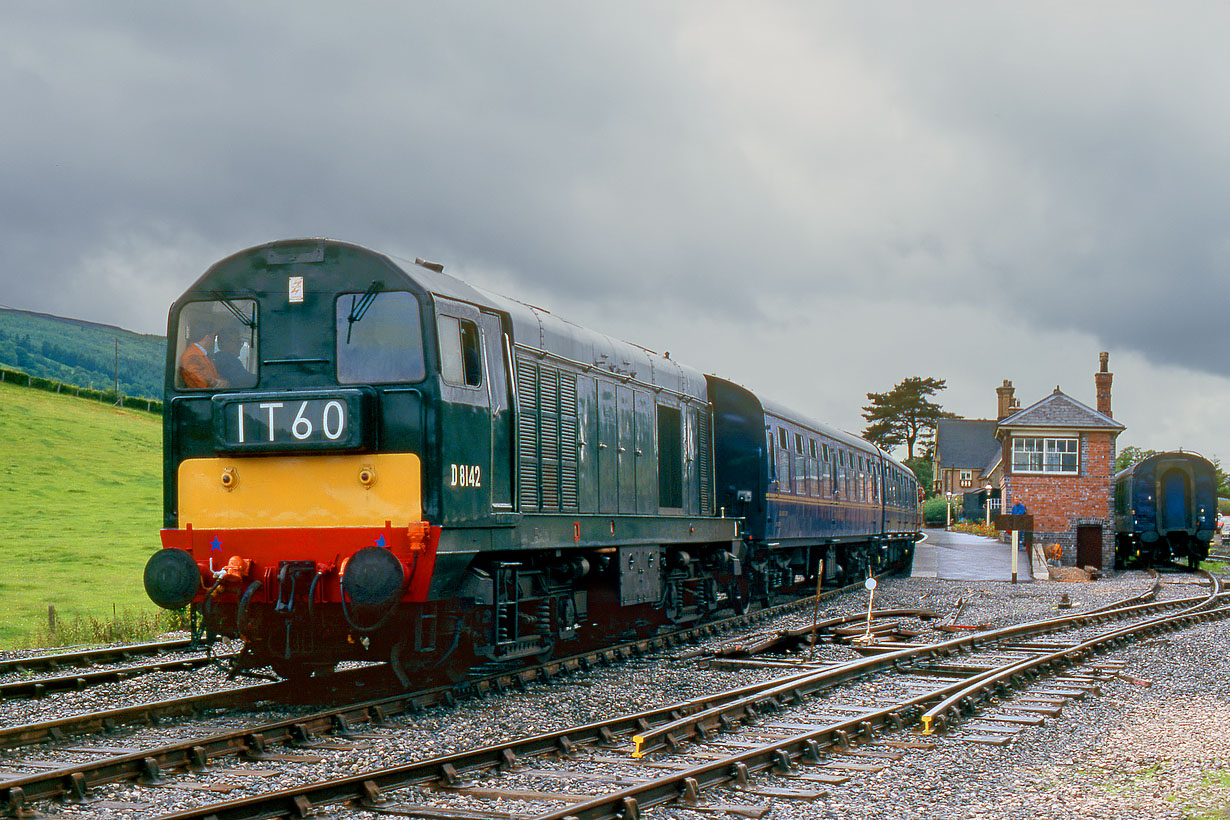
(497, 352)
(464, 472)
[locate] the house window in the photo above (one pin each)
(1044, 455)
(967, 478)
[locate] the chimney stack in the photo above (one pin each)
(1101, 383)
(1006, 402)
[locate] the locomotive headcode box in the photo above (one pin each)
(338, 419)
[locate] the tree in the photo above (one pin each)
(923, 471)
(1221, 478)
(905, 415)
(1131, 455)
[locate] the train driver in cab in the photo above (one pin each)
(196, 369)
(226, 361)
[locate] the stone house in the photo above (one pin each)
(1057, 456)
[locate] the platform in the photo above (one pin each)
(955, 556)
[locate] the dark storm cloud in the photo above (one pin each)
(1065, 164)
(1112, 149)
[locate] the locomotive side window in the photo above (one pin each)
(670, 457)
(216, 345)
(460, 357)
(382, 342)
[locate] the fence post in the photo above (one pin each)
(51, 617)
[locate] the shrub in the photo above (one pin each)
(935, 513)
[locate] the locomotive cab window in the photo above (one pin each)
(379, 339)
(216, 345)
(460, 352)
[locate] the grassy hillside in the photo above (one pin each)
(80, 507)
(81, 353)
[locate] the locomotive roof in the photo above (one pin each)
(541, 330)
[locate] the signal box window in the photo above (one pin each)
(1044, 455)
(216, 345)
(379, 338)
(670, 457)
(460, 352)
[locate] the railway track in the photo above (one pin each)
(83, 679)
(88, 657)
(72, 781)
(651, 733)
(679, 752)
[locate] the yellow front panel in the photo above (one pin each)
(300, 491)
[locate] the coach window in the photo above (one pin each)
(782, 438)
(460, 357)
(216, 345)
(379, 338)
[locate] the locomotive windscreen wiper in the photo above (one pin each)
(359, 306)
(246, 321)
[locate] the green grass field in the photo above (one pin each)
(80, 509)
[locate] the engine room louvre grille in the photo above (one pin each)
(548, 397)
(568, 442)
(704, 462)
(527, 435)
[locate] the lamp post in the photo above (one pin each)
(988, 488)
(948, 526)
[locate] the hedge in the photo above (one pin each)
(24, 379)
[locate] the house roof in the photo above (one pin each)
(1059, 410)
(965, 443)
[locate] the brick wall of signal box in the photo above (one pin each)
(1060, 503)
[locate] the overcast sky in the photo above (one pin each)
(813, 199)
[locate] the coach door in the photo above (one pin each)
(1175, 508)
